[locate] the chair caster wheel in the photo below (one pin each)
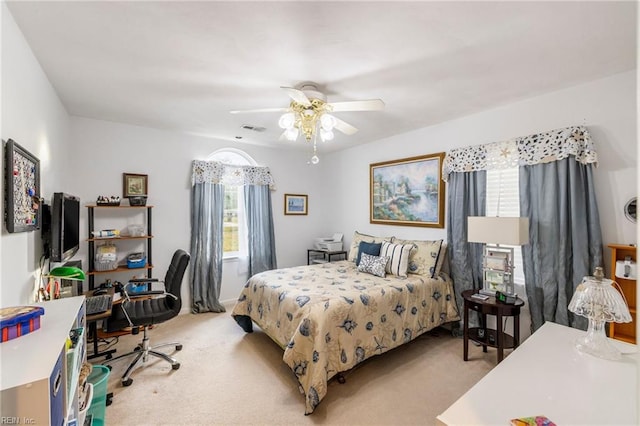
(137, 348)
(108, 356)
(110, 367)
(178, 347)
(341, 379)
(175, 366)
(127, 382)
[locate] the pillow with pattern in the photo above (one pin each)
(399, 257)
(355, 243)
(423, 259)
(374, 265)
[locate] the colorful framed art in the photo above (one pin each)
(408, 192)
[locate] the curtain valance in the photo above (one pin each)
(538, 148)
(229, 174)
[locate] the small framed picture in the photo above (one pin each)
(134, 185)
(295, 204)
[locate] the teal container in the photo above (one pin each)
(98, 378)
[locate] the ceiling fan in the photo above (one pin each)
(310, 113)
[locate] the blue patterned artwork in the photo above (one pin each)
(408, 192)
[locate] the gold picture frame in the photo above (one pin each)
(134, 185)
(295, 204)
(409, 191)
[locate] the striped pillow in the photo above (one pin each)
(399, 257)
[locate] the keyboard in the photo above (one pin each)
(99, 304)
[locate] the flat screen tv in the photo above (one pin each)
(65, 227)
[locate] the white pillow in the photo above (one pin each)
(399, 257)
(355, 243)
(424, 256)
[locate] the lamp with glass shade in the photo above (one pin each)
(596, 299)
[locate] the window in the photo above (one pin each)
(234, 234)
(503, 199)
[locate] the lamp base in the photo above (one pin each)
(596, 343)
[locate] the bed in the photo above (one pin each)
(329, 317)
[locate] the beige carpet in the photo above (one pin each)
(228, 377)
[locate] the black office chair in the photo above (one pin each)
(153, 309)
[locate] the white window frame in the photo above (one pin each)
(503, 199)
(236, 157)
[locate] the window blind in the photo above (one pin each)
(503, 199)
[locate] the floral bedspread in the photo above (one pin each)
(329, 317)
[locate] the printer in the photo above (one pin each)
(333, 243)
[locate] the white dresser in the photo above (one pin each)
(38, 374)
(547, 376)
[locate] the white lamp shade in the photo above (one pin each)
(326, 135)
(287, 120)
(327, 121)
(291, 133)
(498, 230)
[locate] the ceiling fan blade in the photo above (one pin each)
(344, 127)
(243, 111)
(368, 105)
(297, 95)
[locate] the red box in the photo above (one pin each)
(17, 321)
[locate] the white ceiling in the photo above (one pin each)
(182, 66)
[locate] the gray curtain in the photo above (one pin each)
(261, 240)
(565, 239)
(467, 197)
(207, 208)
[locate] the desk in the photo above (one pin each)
(494, 338)
(92, 321)
(548, 376)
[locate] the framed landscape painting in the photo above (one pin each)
(408, 192)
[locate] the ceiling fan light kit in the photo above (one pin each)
(309, 113)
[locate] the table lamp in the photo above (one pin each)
(596, 299)
(61, 272)
(497, 260)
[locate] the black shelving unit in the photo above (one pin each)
(92, 242)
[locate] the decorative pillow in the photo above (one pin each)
(374, 265)
(441, 259)
(399, 257)
(355, 243)
(424, 257)
(369, 248)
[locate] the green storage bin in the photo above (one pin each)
(98, 378)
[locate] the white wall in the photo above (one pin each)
(607, 107)
(104, 150)
(34, 117)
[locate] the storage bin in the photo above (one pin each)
(106, 258)
(136, 230)
(138, 201)
(85, 404)
(136, 260)
(17, 321)
(98, 378)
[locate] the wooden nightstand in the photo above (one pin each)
(493, 338)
